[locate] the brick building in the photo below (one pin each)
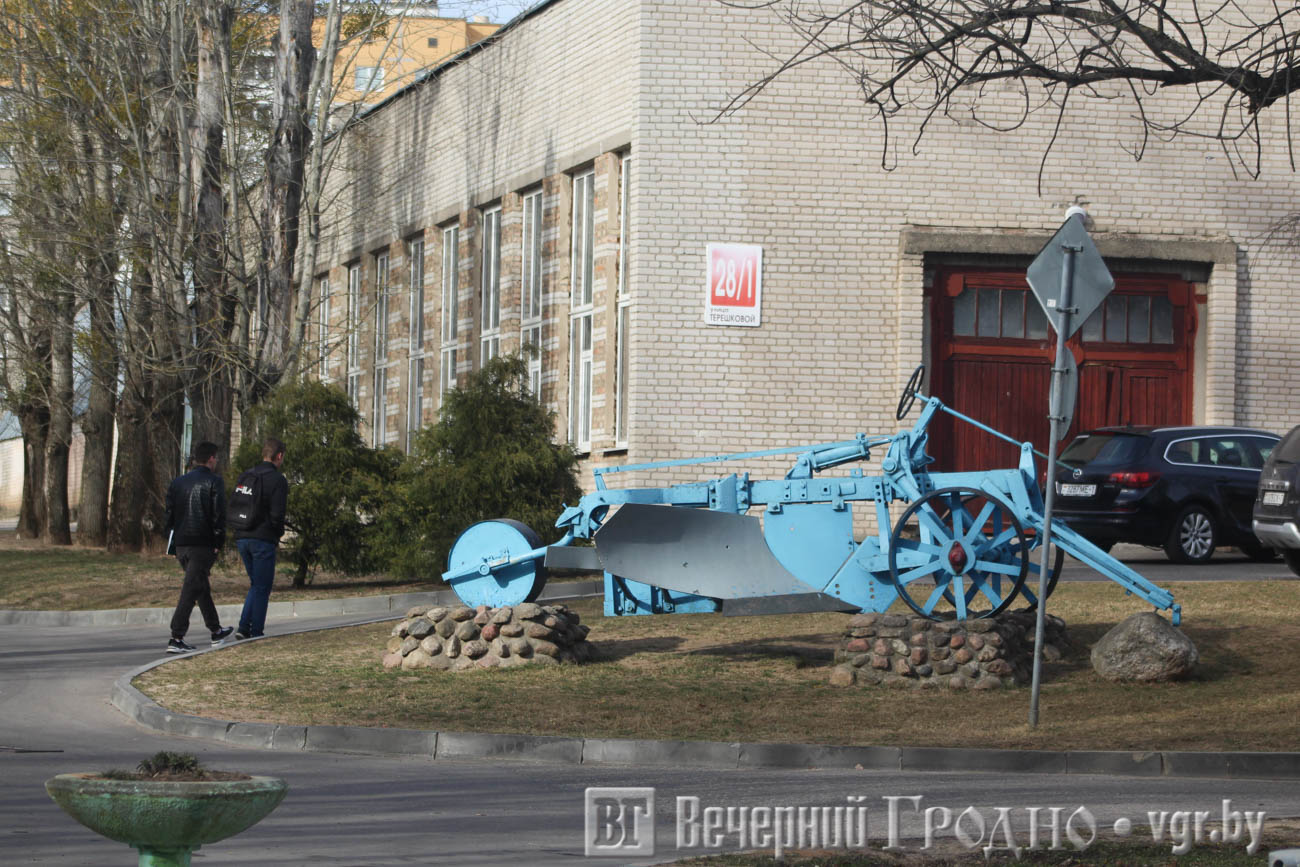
(558, 184)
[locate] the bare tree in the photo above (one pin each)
(932, 58)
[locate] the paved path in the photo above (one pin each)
(367, 810)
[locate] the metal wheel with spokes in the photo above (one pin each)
(958, 553)
(1030, 589)
(1193, 537)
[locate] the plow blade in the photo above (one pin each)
(698, 551)
(805, 603)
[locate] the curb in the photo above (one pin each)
(707, 754)
(393, 605)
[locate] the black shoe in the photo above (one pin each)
(176, 645)
(221, 635)
(239, 636)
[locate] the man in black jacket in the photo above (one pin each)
(196, 519)
(259, 542)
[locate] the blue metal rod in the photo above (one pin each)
(995, 433)
(685, 462)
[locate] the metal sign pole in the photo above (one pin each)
(1056, 416)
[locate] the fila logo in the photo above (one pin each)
(244, 489)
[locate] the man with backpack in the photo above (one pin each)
(195, 518)
(256, 514)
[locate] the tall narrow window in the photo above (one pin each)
(583, 255)
(415, 343)
(379, 428)
(450, 311)
(490, 321)
(323, 327)
(624, 326)
(531, 290)
(354, 339)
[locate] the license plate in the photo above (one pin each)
(1076, 490)
(1274, 498)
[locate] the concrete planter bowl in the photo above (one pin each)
(166, 821)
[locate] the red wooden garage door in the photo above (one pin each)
(992, 361)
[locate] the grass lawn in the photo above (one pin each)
(764, 679)
(34, 576)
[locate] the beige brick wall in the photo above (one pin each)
(798, 171)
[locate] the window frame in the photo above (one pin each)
(323, 328)
(623, 307)
(490, 284)
(382, 345)
(530, 284)
(354, 337)
(582, 254)
(415, 340)
(450, 306)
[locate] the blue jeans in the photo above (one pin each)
(259, 560)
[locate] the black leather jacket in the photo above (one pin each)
(196, 509)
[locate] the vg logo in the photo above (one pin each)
(619, 821)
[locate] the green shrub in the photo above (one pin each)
(337, 484)
(490, 455)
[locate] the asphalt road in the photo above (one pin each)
(363, 810)
(1227, 564)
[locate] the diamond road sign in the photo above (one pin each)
(1092, 280)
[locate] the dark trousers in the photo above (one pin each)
(197, 563)
(259, 560)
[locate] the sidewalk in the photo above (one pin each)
(393, 605)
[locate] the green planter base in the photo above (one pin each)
(166, 821)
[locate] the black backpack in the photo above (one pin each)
(244, 511)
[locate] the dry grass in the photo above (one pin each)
(34, 576)
(705, 677)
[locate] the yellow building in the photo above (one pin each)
(397, 51)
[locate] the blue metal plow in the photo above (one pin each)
(964, 547)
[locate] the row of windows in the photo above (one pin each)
(580, 383)
(1016, 314)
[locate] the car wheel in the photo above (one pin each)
(1292, 558)
(1259, 553)
(1193, 536)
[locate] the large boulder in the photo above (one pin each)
(1144, 648)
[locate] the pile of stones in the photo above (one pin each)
(461, 638)
(899, 651)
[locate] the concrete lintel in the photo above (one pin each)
(918, 240)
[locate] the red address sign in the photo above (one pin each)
(735, 284)
(734, 274)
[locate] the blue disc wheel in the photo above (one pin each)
(958, 554)
(488, 547)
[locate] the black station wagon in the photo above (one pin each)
(1277, 507)
(1185, 489)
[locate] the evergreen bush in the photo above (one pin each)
(337, 484)
(492, 454)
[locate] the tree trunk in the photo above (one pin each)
(59, 440)
(210, 392)
(97, 423)
(295, 58)
(34, 422)
(131, 475)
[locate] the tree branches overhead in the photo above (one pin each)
(1230, 60)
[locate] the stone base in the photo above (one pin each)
(903, 651)
(458, 639)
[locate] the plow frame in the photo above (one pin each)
(952, 558)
